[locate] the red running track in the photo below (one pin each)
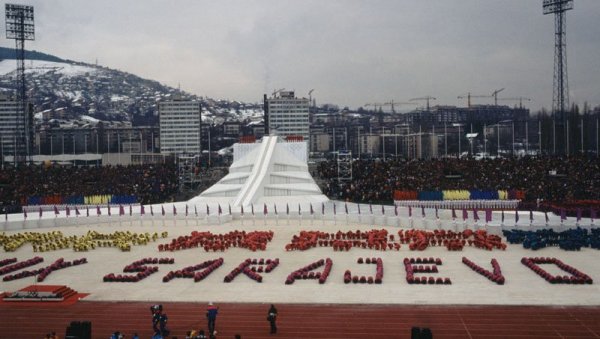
(309, 321)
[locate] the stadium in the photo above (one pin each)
(457, 263)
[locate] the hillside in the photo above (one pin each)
(67, 90)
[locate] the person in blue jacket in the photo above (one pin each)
(211, 316)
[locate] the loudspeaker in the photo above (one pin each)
(79, 330)
(415, 333)
(426, 333)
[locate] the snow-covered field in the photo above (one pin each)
(468, 287)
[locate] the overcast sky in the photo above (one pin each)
(350, 52)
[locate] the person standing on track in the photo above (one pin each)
(211, 316)
(272, 318)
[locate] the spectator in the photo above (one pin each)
(374, 181)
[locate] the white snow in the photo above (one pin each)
(523, 286)
(41, 67)
(89, 119)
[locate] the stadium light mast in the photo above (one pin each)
(560, 91)
(20, 27)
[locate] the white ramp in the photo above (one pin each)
(267, 172)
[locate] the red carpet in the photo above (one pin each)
(309, 321)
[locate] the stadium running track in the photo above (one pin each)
(307, 321)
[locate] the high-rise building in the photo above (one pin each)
(11, 141)
(180, 124)
(287, 115)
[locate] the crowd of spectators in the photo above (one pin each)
(556, 179)
(150, 183)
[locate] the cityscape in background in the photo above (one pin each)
(72, 113)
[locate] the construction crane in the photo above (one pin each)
(469, 96)
(426, 98)
(391, 103)
(277, 91)
(519, 99)
(495, 95)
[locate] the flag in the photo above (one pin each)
(475, 215)
(162, 210)
(502, 216)
(346, 207)
(252, 208)
(546, 215)
(40, 212)
(323, 208)
(87, 211)
(220, 211)
(275, 209)
(195, 210)
(358, 208)
(516, 216)
(453, 213)
(563, 214)
(334, 209)
(174, 210)
(68, 211)
(265, 211)
(130, 210)
(410, 211)
(311, 209)
(299, 210)
(465, 214)
(242, 210)
(531, 215)
(25, 213)
(77, 211)
(151, 210)
(287, 209)
(98, 212)
(207, 210)
(121, 210)
(56, 210)
(186, 210)
(396, 209)
(382, 210)
(371, 208)
(578, 214)
(142, 210)
(109, 212)
(436, 213)
(229, 205)
(423, 211)
(488, 215)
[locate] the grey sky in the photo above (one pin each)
(350, 52)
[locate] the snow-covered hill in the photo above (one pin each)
(72, 91)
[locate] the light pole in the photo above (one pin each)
(445, 140)
(471, 136)
(383, 140)
(459, 137)
(484, 140)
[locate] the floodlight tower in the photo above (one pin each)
(20, 27)
(560, 92)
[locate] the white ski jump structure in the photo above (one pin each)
(268, 172)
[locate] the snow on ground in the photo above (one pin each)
(522, 285)
(40, 67)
